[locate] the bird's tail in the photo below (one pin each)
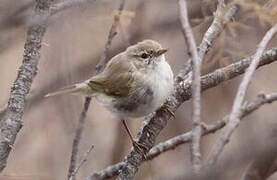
(80, 88)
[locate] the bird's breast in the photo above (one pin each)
(145, 97)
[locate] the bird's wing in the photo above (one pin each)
(115, 80)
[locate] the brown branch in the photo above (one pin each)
(101, 64)
(196, 88)
(11, 122)
(234, 120)
(183, 93)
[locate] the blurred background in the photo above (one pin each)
(72, 46)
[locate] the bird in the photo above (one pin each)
(133, 84)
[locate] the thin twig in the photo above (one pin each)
(74, 173)
(11, 122)
(234, 121)
(196, 94)
(76, 142)
(104, 58)
(222, 16)
(101, 64)
(186, 137)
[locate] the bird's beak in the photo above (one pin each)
(160, 52)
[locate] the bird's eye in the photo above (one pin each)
(144, 55)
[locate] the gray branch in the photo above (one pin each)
(196, 87)
(187, 137)
(11, 122)
(183, 93)
(222, 16)
(234, 121)
(81, 163)
(76, 141)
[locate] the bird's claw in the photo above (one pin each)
(140, 148)
(166, 108)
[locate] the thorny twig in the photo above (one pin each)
(196, 87)
(234, 120)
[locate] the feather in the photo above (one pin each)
(80, 88)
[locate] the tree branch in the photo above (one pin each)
(11, 122)
(183, 93)
(196, 88)
(222, 16)
(76, 141)
(81, 163)
(187, 137)
(155, 123)
(234, 121)
(104, 58)
(101, 64)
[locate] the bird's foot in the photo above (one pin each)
(204, 126)
(166, 108)
(141, 148)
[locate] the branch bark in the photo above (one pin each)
(196, 87)
(183, 93)
(12, 122)
(11, 118)
(234, 121)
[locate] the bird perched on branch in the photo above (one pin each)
(133, 84)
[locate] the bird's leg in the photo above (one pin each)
(166, 108)
(140, 147)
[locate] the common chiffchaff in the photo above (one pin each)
(134, 83)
